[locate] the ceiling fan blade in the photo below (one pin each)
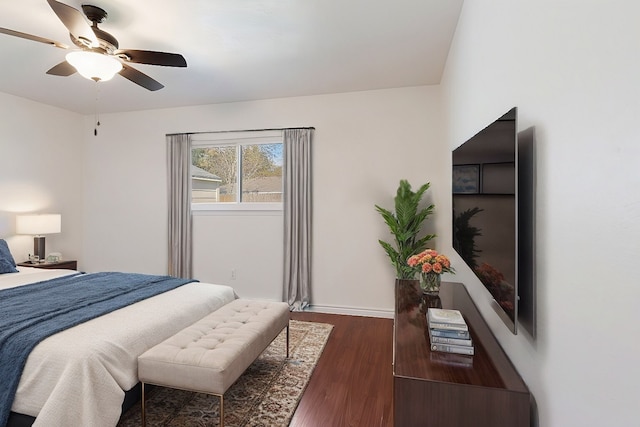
(152, 58)
(75, 22)
(63, 69)
(32, 37)
(140, 78)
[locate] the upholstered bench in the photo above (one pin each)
(210, 355)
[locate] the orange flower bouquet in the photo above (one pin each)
(430, 265)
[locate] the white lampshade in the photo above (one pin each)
(38, 224)
(93, 65)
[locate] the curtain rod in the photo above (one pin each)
(237, 130)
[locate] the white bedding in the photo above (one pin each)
(78, 377)
(27, 275)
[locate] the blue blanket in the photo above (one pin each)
(31, 313)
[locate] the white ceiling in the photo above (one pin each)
(236, 50)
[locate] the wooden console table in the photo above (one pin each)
(440, 389)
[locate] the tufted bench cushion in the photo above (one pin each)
(210, 355)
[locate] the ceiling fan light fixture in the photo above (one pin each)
(94, 66)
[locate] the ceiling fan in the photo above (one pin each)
(99, 57)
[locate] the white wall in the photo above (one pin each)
(250, 245)
(364, 143)
(572, 68)
(40, 172)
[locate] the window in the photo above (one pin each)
(239, 171)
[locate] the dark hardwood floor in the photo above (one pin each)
(352, 384)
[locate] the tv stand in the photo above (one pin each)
(441, 389)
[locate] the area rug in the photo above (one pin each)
(267, 394)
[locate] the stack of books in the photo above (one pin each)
(448, 332)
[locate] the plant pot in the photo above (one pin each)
(408, 294)
(411, 283)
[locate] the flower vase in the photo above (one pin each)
(430, 283)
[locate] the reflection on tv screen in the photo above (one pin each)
(484, 209)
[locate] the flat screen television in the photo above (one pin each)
(492, 194)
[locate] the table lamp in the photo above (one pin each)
(37, 225)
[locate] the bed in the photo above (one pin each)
(80, 376)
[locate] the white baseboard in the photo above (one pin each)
(350, 311)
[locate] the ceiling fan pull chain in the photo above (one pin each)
(95, 111)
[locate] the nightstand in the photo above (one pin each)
(65, 265)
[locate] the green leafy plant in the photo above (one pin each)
(405, 224)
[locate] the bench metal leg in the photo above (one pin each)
(144, 418)
(221, 410)
(287, 340)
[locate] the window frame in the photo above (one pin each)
(237, 139)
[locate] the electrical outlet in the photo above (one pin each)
(233, 274)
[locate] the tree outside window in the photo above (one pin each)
(237, 173)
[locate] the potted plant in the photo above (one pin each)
(405, 224)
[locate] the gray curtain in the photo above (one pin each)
(179, 197)
(297, 217)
